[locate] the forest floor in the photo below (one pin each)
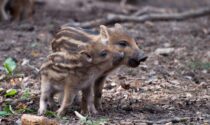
(169, 88)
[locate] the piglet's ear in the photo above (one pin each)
(104, 33)
(86, 56)
(57, 57)
(118, 27)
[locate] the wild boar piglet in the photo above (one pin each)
(69, 39)
(16, 10)
(70, 73)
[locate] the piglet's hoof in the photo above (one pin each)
(60, 112)
(92, 110)
(41, 112)
(89, 112)
(98, 106)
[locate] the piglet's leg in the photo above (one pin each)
(87, 100)
(69, 95)
(45, 94)
(98, 87)
(84, 101)
(51, 101)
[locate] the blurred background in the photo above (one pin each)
(172, 84)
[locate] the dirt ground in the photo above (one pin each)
(171, 88)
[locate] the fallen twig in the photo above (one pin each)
(114, 18)
(149, 9)
(108, 7)
(164, 121)
(173, 120)
(27, 119)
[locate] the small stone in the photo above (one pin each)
(143, 67)
(188, 77)
(149, 24)
(126, 122)
(164, 51)
(25, 61)
(188, 95)
(2, 76)
(175, 82)
(205, 71)
(142, 124)
(166, 44)
(169, 123)
(113, 84)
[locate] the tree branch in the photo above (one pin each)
(114, 18)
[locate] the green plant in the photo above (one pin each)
(26, 94)
(199, 65)
(50, 114)
(9, 65)
(26, 110)
(4, 113)
(10, 92)
(7, 110)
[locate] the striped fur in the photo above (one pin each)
(70, 73)
(62, 62)
(71, 40)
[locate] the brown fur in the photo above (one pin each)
(70, 73)
(3, 14)
(16, 10)
(117, 38)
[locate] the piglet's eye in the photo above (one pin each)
(103, 53)
(123, 43)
